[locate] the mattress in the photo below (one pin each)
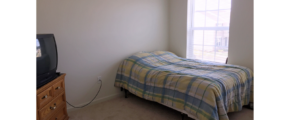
(201, 89)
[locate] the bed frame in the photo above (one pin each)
(250, 106)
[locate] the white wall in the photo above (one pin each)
(178, 27)
(93, 37)
(241, 33)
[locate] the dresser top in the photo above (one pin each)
(61, 77)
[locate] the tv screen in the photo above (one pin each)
(46, 58)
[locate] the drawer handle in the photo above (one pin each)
(57, 88)
(53, 108)
(56, 118)
(44, 97)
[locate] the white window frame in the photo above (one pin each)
(191, 28)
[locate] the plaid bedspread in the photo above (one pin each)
(206, 90)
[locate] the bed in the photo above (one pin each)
(201, 89)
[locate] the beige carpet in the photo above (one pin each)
(135, 108)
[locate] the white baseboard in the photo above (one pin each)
(96, 101)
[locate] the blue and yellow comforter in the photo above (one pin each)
(206, 90)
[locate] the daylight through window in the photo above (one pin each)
(208, 29)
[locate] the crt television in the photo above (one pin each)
(46, 59)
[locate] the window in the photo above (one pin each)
(208, 29)
(38, 50)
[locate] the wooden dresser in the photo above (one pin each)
(51, 100)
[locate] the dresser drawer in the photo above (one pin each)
(60, 115)
(52, 107)
(44, 97)
(58, 88)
